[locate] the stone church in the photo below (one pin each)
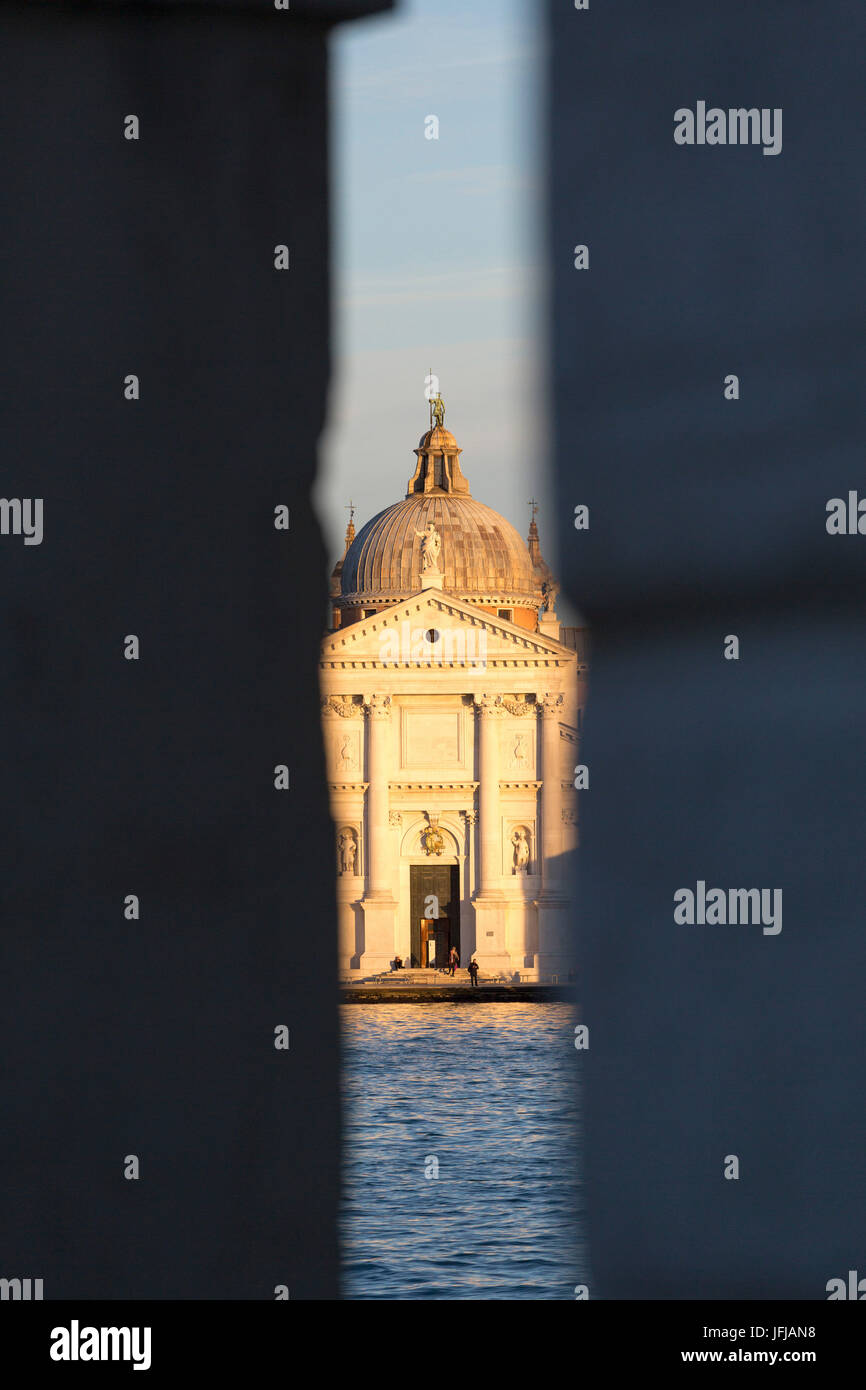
(452, 704)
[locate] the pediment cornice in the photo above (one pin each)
(346, 647)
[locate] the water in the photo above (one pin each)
(489, 1091)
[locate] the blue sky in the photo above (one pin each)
(437, 254)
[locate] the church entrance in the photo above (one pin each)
(433, 936)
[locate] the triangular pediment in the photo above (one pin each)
(396, 636)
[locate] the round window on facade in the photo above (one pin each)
(431, 636)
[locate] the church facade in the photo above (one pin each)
(452, 705)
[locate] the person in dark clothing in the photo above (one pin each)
(473, 971)
(453, 961)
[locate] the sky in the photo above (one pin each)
(436, 255)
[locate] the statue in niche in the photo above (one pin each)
(521, 850)
(347, 846)
(431, 545)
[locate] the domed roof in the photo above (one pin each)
(439, 438)
(480, 556)
(483, 557)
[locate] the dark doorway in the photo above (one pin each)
(433, 937)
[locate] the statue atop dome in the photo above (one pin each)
(438, 455)
(437, 410)
(549, 591)
(431, 547)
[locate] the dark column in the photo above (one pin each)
(707, 519)
(154, 1036)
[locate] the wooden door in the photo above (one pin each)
(442, 882)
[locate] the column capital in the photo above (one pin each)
(489, 706)
(341, 705)
(551, 703)
(378, 706)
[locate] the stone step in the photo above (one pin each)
(429, 977)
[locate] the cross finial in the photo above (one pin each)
(534, 505)
(350, 508)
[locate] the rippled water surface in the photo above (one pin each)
(488, 1090)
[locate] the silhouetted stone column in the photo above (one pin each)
(707, 519)
(167, 889)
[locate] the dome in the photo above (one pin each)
(483, 557)
(471, 551)
(438, 438)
